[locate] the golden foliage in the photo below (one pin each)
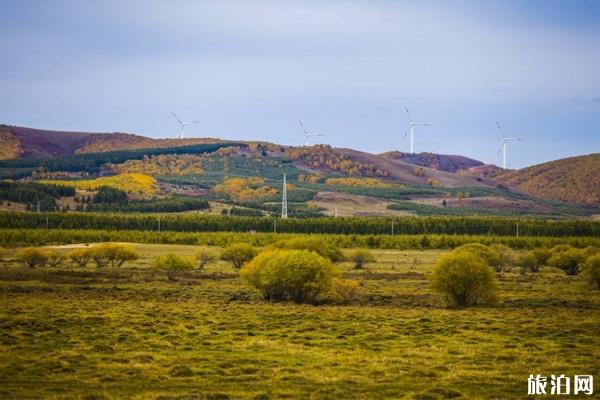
(166, 164)
(123, 141)
(573, 180)
(324, 156)
(242, 189)
(10, 146)
(129, 182)
(360, 182)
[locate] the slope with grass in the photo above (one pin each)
(572, 180)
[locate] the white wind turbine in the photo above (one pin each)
(505, 140)
(182, 124)
(308, 135)
(411, 125)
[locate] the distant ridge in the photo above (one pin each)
(20, 142)
(441, 162)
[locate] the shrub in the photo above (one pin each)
(238, 254)
(81, 257)
(464, 278)
(54, 257)
(508, 257)
(206, 255)
(298, 275)
(569, 261)
(32, 257)
(173, 264)
(113, 254)
(529, 262)
(318, 245)
(489, 255)
(592, 270)
(542, 254)
(360, 257)
(343, 291)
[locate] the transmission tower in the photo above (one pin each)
(284, 200)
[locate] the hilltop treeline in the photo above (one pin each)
(92, 162)
(328, 225)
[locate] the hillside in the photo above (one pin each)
(573, 180)
(442, 162)
(20, 142)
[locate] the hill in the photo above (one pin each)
(572, 180)
(20, 142)
(442, 162)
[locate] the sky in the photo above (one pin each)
(249, 70)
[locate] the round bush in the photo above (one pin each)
(81, 257)
(173, 262)
(238, 254)
(299, 275)
(319, 246)
(32, 257)
(465, 279)
(529, 262)
(113, 254)
(360, 257)
(490, 256)
(592, 270)
(569, 261)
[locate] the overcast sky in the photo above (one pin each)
(251, 69)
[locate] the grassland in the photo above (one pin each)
(98, 334)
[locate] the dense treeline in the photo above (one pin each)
(38, 237)
(92, 162)
(330, 225)
(169, 204)
(33, 194)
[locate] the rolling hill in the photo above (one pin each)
(573, 180)
(20, 142)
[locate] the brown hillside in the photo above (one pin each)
(442, 162)
(572, 180)
(413, 174)
(16, 142)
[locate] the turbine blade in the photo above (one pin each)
(500, 130)
(177, 118)
(408, 113)
(303, 128)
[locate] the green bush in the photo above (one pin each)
(490, 256)
(81, 257)
(592, 270)
(508, 257)
(302, 276)
(318, 245)
(529, 262)
(113, 254)
(343, 291)
(360, 257)
(464, 278)
(238, 254)
(569, 261)
(32, 257)
(206, 255)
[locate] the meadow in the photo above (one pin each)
(88, 333)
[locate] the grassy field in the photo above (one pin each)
(73, 333)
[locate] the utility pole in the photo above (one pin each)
(284, 209)
(274, 224)
(392, 228)
(335, 214)
(517, 229)
(158, 224)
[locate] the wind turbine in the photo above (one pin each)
(411, 125)
(182, 124)
(505, 140)
(308, 135)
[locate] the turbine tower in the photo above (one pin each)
(284, 199)
(182, 124)
(308, 135)
(411, 125)
(505, 140)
